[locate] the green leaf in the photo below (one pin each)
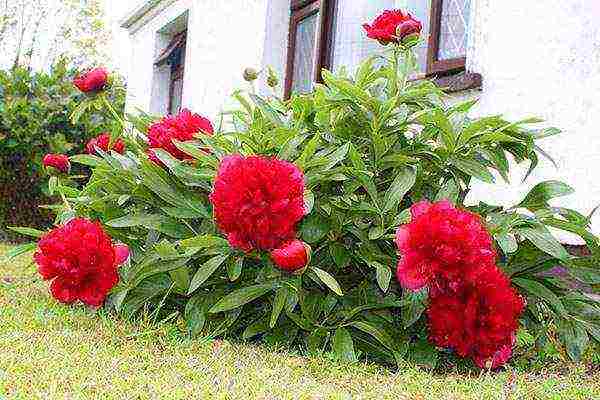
(575, 338)
(52, 185)
(27, 231)
(383, 275)
(241, 296)
(157, 222)
(586, 269)
(313, 228)
(204, 242)
(541, 193)
(543, 240)
(376, 232)
(416, 305)
(205, 271)
(341, 256)
(255, 329)
(328, 280)
(449, 191)
(343, 346)
(380, 335)
(424, 354)
(268, 111)
(194, 315)
(507, 242)
(446, 129)
(537, 289)
(473, 168)
(18, 250)
(86, 159)
(278, 304)
(403, 182)
(234, 268)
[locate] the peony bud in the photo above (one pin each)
(102, 142)
(250, 74)
(57, 163)
(272, 79)
(121, 253)
(92, 81)
(292, 256)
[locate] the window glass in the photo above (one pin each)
(176, 96)
(304, 56)
(454, 29)
(350, 42)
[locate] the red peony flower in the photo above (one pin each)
(258, 201)
(181, 127)
(441, 241)
(478, 319)
(392, 26)
(59, 162)
(291, 256)
(102, 141)
(92, 81)
(81, 260)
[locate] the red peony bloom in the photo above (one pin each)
(291, 256)
(479, 319)
(81, 260)
(392, 26)
(181, 127)
(102, 141)
(59, 162)
(441, 241)
(258, 201)
(92, 81)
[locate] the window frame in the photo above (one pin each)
(448, 71)
(177, 75)
(435, 66)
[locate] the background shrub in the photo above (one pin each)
(35, 110)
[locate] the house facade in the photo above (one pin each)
(519, 58)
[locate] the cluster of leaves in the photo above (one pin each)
(35, 111)
(370, 146)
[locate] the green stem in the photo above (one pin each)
(130, 140)
(394, 83)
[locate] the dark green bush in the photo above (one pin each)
(35, 111)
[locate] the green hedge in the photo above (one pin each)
(35, 110)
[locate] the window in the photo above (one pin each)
(173, 56)
(328, 34)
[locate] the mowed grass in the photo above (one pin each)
(52, 351)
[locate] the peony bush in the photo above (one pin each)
(288, 223)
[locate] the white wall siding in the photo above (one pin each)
(542, 58)
(224, 37)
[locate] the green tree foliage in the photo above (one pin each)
(35, 111)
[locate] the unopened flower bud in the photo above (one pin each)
(272, 79)
(292, 256)
(250, 74)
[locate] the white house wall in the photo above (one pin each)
(224, 37)
(542, 58)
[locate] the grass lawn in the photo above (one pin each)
(50, 351)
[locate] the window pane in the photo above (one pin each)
(176, 96)
(304, 56)
(350, 42)
(454, 29)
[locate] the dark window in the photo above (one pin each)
(174, 56)
(328, 34)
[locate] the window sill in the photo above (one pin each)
(459, 82)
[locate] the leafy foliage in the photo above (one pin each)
(35, 111)
(370, 146)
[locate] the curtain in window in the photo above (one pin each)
(350, 42)
(304, 56)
